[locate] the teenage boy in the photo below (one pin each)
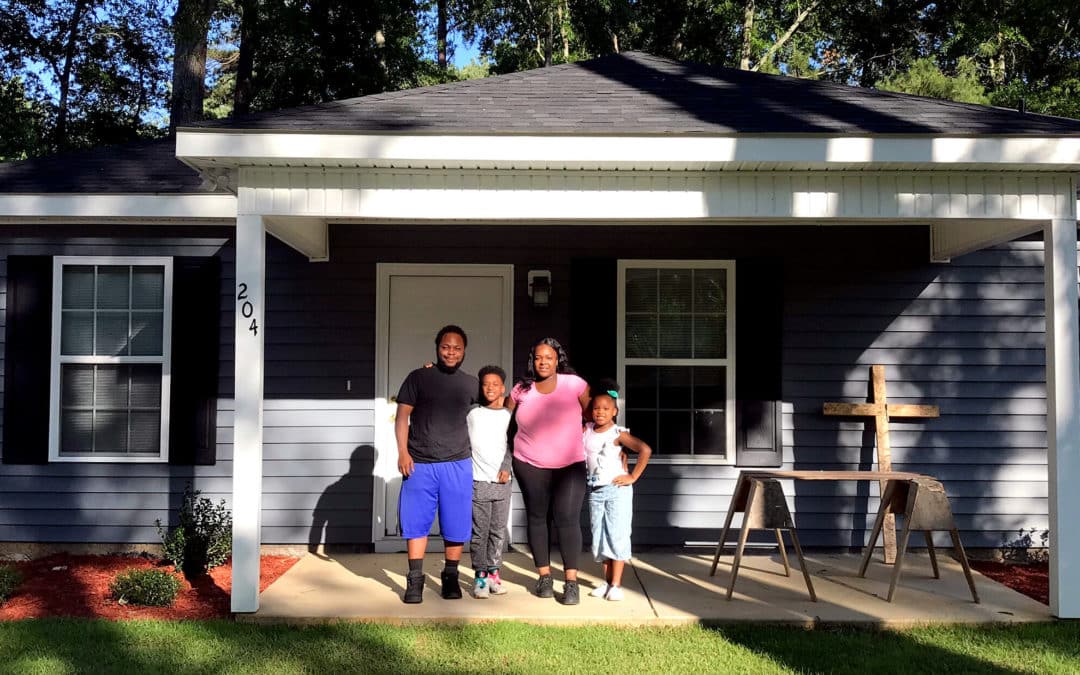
(435, 460)
(491, 457)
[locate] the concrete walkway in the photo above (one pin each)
(661, 588)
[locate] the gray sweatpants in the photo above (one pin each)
(491, 506)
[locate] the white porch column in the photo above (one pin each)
(1063, 416)
(248, 419)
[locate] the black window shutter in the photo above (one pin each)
(196, 316)
(27, 352)
(759, 306)
(594, 325)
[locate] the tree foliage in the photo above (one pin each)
(78, 73)
(96, 69)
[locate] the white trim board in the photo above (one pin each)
(209, 148)
(75, 208)
(605, 195)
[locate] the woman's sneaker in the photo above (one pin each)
(545, 587)
(494, 584)
(571, 595)
(480, 588)
(600, 591)
(615, 594)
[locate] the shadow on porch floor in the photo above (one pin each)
(661, 588)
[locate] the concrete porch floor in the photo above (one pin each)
(661, 588)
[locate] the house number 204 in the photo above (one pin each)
(247, 310)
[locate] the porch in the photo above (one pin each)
(662, 588)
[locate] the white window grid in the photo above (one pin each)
(58, 360)
(728, 362)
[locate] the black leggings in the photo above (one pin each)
(553, 495)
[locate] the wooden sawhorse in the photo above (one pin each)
(925, 508)
(764, 508)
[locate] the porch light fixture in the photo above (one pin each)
(540, 287)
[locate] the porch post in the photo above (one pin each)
(1063, 415)
(248, 416)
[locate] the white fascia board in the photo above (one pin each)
(74, 208)
(216, 148)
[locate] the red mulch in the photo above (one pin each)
(80, 588)
(1031, 579)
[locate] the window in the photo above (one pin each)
(677, 356)
(111, 346)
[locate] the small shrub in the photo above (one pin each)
(154, 588)
(203, 539)
(10, 578)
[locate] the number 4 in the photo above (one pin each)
(254, 327)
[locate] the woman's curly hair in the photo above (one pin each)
(561, 367)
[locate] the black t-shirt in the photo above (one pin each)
(440, 400)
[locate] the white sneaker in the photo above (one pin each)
(615, 593)
(600, 591)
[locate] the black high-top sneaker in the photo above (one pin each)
(571, 595)
(451, 586)
(414, 587)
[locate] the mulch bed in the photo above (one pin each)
(1031, 579)
(78, 586)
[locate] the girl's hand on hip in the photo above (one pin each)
(625, 479)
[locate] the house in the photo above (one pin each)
(736, 248)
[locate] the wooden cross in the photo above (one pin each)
(881, 411)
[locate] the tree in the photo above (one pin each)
(191, 23)
(925, 78)
(95, 68)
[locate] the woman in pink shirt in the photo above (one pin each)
(549, 460)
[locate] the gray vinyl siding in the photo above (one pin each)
(317, 456)
(106, 502)
(967, 336)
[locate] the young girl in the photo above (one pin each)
(611, 497)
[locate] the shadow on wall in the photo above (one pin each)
(342, 514)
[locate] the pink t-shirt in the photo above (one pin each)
(549, 425)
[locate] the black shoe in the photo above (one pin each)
(545, 587)
(451, 586)
(570, 594)
(414, 587)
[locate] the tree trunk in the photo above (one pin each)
(441, 34)
(747, 35)
(190, 27)
(549, 39)
(564, 18)
(61, 133)
(615, 42)
(245, 62)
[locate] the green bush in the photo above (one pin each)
(203, 539)
(10, 578)
(145, 587)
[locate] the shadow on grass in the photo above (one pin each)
(945, 649)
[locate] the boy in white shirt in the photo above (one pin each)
(491, 458)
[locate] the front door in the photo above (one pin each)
(414, 302)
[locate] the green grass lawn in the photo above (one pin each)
(70, 646)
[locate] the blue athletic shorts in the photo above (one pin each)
(446, 487)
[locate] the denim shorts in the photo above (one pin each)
(611, 509)
(446, 487)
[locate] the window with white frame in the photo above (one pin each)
(111, 349)
(677, 355)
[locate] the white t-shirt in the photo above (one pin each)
(602, 454)
(487, 436)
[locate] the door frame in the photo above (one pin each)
(384, 409)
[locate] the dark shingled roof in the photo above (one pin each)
(145, 167)
(635, 93)
(629, 93)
